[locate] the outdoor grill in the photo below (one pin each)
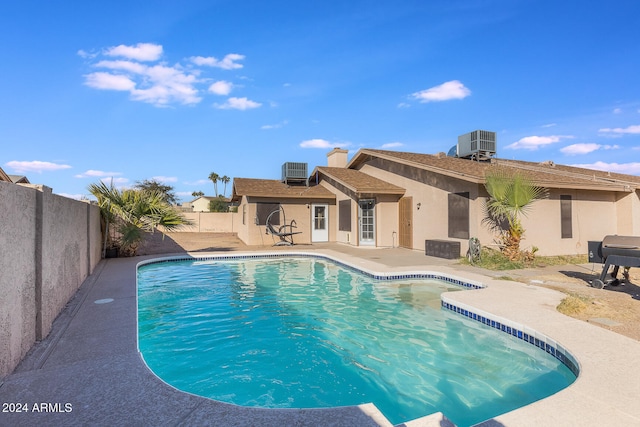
(618, 251)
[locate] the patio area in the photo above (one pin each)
(88, 370)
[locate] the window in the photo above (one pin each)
(263, 210)
(566, 226)
(244, 214)
(344, 215)
(459, 215)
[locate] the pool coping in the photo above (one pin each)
(91, 360)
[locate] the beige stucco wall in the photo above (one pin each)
(430, 221)
(628, 213)
(593, 216)
(17, 274)
(295, 209)
(50, 244)
(387, 222)
(212, 222)
(594, 213)
(335, 235)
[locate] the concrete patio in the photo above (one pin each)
(88, 370)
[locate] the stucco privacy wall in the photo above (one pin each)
(50, 244)
(212, 222)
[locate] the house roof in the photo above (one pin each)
(4, 176)
(19, 179)
(546, 174)
(208, 198)
(359, 182)
(276, 189)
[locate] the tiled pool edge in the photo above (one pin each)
(518, 331)
(522, 332)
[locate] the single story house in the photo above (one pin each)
(200, 204)
(389, 198)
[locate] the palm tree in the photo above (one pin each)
(197, 193)
(225, 179)
(511, 194)
(214, 177)
(132, 213)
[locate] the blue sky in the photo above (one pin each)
(173, 90)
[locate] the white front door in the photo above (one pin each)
(319, 223)
(367, 222)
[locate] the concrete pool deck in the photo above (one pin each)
(88, 371)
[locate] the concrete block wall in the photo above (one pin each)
(49, 244)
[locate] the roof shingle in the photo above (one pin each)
(546, 174)
(273, 188)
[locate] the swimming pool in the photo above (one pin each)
(306, 332)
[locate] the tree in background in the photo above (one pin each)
(154, 185)
(511, 194)
(218, 205)
(214, 177)
(197, 194)
(225, 180)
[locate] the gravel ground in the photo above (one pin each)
(616, 308)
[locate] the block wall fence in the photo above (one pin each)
(49, 245)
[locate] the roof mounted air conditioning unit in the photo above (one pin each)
(295, 172)
(477, 145)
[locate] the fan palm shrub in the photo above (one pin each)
(511, 194)
(127, 214)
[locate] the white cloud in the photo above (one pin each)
(227, 63)
(453, 89)
(534, 142)
(276, 126)
(221, 87)
(139, 52)
(107, 81)
(121, 65)
(550, 125)
(35, 166)
(626, 168)
(575, 149)
(118, 182)
(158, 83)
(321, 143)
(617, 110)
(165, 179)
(635, 129)
(238, 104)
(87, 55)
(404, 105)
(392, 145)
(96, 174)
(166, 85)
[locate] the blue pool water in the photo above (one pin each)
(306, 332)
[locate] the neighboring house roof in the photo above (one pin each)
(4, 176)
(19, 179)
(547, 174)
(359, 182)
(273, 188)
(209, 198)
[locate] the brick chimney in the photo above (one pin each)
(337, 158)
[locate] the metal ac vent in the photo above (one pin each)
(477, 145)
(295, 172)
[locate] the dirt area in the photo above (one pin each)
(616, 308)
